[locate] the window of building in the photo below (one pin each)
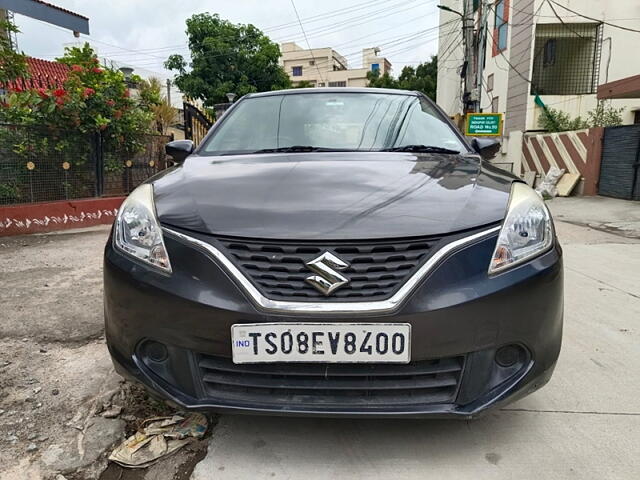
(566, 59)
(312, 62)
(337, 84)
(297, 71)
(375, 67)
(549, 55)
(490, 83)
(636, 116)
(501, 29)
(495, 105)
(321, 84)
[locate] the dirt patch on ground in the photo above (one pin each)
(62, 406)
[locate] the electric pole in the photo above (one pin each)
(482, 50)
(469, 97)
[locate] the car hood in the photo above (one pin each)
(332, 195)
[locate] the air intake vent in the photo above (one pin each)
(335, 385)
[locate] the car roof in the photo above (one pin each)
(294, 91)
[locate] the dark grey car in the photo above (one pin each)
(335, 252)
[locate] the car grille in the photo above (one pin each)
(376, 269)
(331, 385)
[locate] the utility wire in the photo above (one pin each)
(361, 20)
(562, 21)
(614, 25)
(307, 40)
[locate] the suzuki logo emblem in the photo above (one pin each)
(328, 278)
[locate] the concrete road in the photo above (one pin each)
(585, 424)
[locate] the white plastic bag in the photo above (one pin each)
(548, 185)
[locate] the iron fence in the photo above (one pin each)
(40, 164)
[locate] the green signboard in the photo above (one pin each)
(484, 124)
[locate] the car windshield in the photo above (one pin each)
(333, 121)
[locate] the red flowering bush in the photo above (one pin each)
(91, 99)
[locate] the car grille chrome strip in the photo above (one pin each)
(319, 307)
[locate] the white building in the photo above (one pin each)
(538, 48)
(324, 67)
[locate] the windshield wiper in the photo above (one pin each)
(421, 149)
(299, 148)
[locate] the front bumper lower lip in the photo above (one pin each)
(517, 387)
(331, 308)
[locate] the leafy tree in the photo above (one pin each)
(150, 91)
(226, 58)
(151, 96)
(12, 64)
(422, 78)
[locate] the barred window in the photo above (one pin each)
(297, 71)
(566, 59)
(337, 84)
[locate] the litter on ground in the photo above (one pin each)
(157, 438)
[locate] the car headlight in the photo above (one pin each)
(138, 232)
(527, 230)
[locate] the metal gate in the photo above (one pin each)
(196, 123)
(620, 165)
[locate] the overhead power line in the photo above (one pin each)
(326, 15)
(383, 13)
(306, 39)
(614, 25)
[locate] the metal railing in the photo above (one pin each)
(41, 164)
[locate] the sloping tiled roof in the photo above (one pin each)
(42, 74)
(61, 9)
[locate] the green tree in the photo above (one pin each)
(422, 78)
(12, 64)
(226, 57)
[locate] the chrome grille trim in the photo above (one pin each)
(319, 308)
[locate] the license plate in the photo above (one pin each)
(321, 342)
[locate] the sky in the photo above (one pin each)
(143, 33)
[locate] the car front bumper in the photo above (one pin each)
(166, 331)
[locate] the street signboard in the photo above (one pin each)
(484, 124)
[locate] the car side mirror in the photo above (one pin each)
(179, 150)
(487, 148)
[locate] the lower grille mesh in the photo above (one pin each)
(332, 385)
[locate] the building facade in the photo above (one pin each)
(324, 67)
(530, 51)
(538, 53)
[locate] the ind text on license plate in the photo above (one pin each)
(321, 342)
